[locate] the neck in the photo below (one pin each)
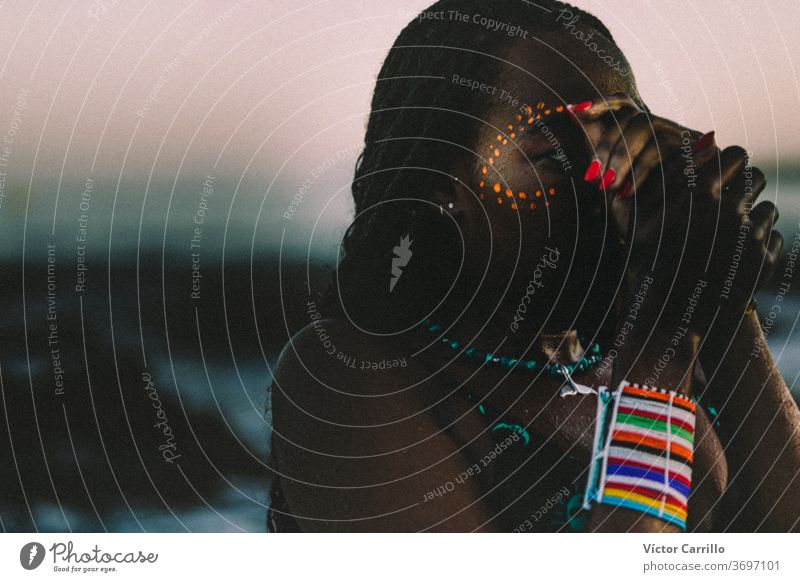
(513, 322)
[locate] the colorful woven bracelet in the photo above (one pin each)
(643, 451)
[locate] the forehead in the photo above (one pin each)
(558, 68)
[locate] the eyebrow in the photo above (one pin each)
(544, 128)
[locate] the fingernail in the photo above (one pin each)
(703, 142)
(608, 178)
(581, 106)
(593, 172)
(625, 191)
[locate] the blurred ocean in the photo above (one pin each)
(83, 444)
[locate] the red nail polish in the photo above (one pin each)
(582, 106)
(608, 178)
(703, 142)
(593, 172)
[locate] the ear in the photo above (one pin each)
(454, 199)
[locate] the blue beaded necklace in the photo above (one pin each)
(591, 357)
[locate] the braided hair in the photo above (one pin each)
(418, 130)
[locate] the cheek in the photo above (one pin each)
(503, 187)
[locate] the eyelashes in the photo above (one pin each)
(490, 184)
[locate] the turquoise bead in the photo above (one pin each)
(513, 428)
(592, 356)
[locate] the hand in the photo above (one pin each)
(685, 209)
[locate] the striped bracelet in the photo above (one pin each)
(643, 451)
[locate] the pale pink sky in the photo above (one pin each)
(283, 84)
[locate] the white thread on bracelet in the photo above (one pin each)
(617, 395)
(666, 458)
(598, 429)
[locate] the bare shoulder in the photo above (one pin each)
(356, 443)
(333, 351)
(330, 372)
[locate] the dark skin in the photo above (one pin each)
(361, 450)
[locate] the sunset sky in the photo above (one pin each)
(273, 90)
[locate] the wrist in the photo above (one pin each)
(664, 358)
(642, 453)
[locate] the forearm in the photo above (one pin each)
(759, 425)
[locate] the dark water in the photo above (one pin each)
(85, 453)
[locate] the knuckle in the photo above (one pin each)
(767, 209)
(758, 177)
(642, 121)
(622, 114)
(735, 153)
(715, 189)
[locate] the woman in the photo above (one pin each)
(525, 233)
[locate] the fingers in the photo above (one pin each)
(773, 253)
(589, 117)
(704, 147)
(775, 244)
(731, 162)
(745, 188)
(639, 170)
(763, 218)
(588, 111)
(705, 197)
(599, 171)
(768, 242)
(619, 132)
(626, 150)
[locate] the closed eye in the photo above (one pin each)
(551, 154)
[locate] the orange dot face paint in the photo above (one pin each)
(491, 181)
